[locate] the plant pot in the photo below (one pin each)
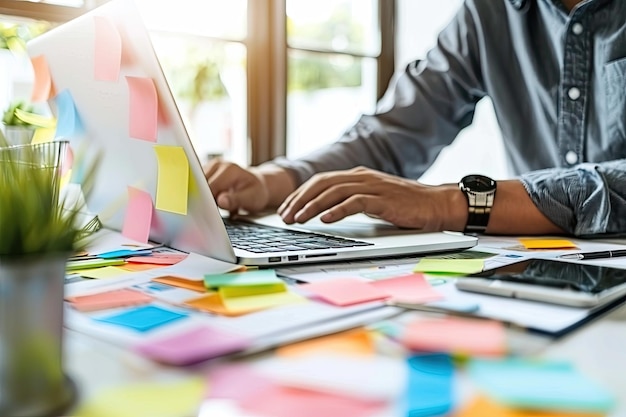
(32, 381)
(18, 135)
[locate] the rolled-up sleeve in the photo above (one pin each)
(587, 200)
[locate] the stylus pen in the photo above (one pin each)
(595, 255)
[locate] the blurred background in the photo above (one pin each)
(259, 78)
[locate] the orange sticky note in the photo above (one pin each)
(182, 283)
(172, 179)
(408, 288)
(109, 299)
(482, 406)
(456, 335)
(138, 215)
(353, 342)
(143, 109)
(43, 88)
(345, 291)
(547, 244)
(213, 304)
(107, 50)
(133, 267)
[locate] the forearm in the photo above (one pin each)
(513, 211)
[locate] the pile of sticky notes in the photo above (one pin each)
(244, 292)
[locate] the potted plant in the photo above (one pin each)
(38, 234)
(20, 122)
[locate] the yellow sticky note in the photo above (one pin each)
(102, 273)
(172, 179)
(548, 244)
(262, 301)
(43, 135)
(246, 290)
(156, 399)
(453, 266)
(353, 342)
(212, 303)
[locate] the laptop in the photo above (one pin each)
(104, 72)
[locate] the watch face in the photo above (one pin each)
(478, 183)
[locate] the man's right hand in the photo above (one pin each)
(252, 190)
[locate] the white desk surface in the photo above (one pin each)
(596, 349)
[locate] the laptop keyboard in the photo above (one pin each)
(262, 239)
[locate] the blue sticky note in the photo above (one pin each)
(143, 318)
(429, 388)
(124, 252)
(540, 385)
(69, 123)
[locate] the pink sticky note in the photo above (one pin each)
(236, 381)
(456, 335)
(345, 291)
(408, 288)
(143, 110)
(42, 88)
(192, 346)
(107, 50)
(109, 299)
(278, 401)
(157, 259)
(138, 215)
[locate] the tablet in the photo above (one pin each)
(567, 283)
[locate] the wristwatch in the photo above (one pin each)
(480, 192)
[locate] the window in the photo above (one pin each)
(254, 78)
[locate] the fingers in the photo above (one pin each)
(235, 188)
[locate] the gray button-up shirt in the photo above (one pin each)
(558, 85)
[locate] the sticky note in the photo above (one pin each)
(278, 401)
(482, 406)
(345, 291)
(538, 384)
(172, 179)
(180, 282)
(212, 303)
(192, 346)
(102, 273)
(254, 289)
(547, 244)
(143, 111)
(452, 266)
(136, 267)
(43, 88)
(35, 119)
(354, 342)
(178, 397)
(138, 216)
(172, 259)
(107, 50)
(261, 301)
(69, 123)
(119, 253)
(92, 263)
(455, 335)
(256, 277)
(408, 288)
(143, 319)
(429, 388)
(110, 299)
(236, 381)
(43, 135)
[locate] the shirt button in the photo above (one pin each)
(573, 93)
(571, 157)
(577, 28)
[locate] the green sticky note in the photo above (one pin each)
(92, 263)
(248, 278)
(454, 266)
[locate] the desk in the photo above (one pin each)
(596, 350)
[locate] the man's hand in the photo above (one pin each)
(405, 203)
(255, 189)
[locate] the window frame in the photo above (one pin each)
(267, 50)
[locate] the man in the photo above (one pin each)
(556, 73)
